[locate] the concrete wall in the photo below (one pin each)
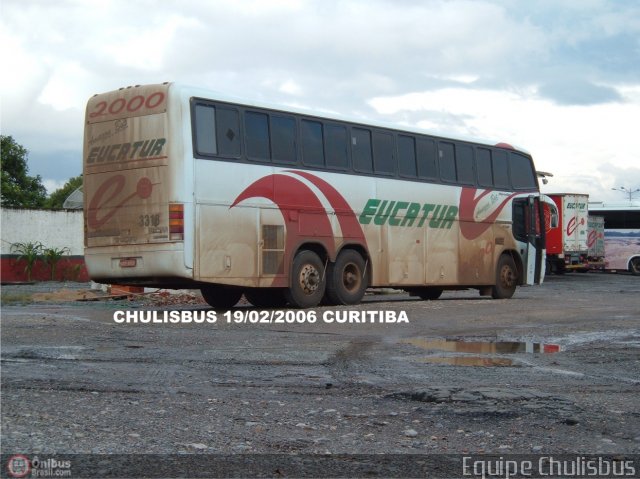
(54, 229)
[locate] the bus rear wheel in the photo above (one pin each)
(634, 266)
(221, 296)
(266, 297)
(506, 278)
(308, 281)
(346, 278)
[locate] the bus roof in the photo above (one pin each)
(618, 206)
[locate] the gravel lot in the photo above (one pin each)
(452, 380)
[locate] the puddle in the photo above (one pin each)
(482, 347)
(469, 361)
(468, 351)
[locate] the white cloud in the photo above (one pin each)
(572, 142)
(471, 68)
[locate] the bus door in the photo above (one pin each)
(528, 221)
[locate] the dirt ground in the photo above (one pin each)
(554, 370)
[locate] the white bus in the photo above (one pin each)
(621, 235)
(189, 189)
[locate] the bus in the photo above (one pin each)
(621, 235)
(184, 188)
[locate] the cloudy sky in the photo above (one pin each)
(559, 78)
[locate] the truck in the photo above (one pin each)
(595, 241)
(567, 248)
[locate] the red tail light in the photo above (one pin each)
(176, 221)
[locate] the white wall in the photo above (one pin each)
(54, 229)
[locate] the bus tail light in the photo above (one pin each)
(176, 221)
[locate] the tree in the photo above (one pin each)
(18, 188)
(57, 198)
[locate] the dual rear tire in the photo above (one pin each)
(340, 283)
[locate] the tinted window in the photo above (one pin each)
(256, 129)
(335, 138)
(283, 139)
(407, 156)
(383, 153)
(500, 170)
(205, 130)
(484, 168)
(447, 162)
(361, 150)
(228, 131)
(520, 219)
(464, 164)
(522, 174)
(312, 149)
(427, 165)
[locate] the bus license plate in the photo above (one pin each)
(128, 262)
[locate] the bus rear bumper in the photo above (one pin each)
(121, 265)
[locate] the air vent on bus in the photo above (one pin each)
(272, 249)
(176, 221)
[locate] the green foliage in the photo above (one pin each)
(29, 253)
(18, 188)
(56, 200)
(52, 256)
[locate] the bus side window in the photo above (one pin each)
(484, 167)
(335, 145)
(361, 150)
(407, 156)
(446, 158)
(205, 127)
(464, 164)
(522, 174)
(427, 159)
(256, 127)
(312, 147)
(500, 170)
(228, 132)
(383, 158)
(283, 139)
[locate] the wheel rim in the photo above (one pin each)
(351, 278)
(507, 278)
(635, 265)
(309, 279)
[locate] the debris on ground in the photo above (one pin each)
(63, 295)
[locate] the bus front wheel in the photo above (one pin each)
(506, 278)
(634, 266)
(308, 281)
(221, 296)
(346, 278)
